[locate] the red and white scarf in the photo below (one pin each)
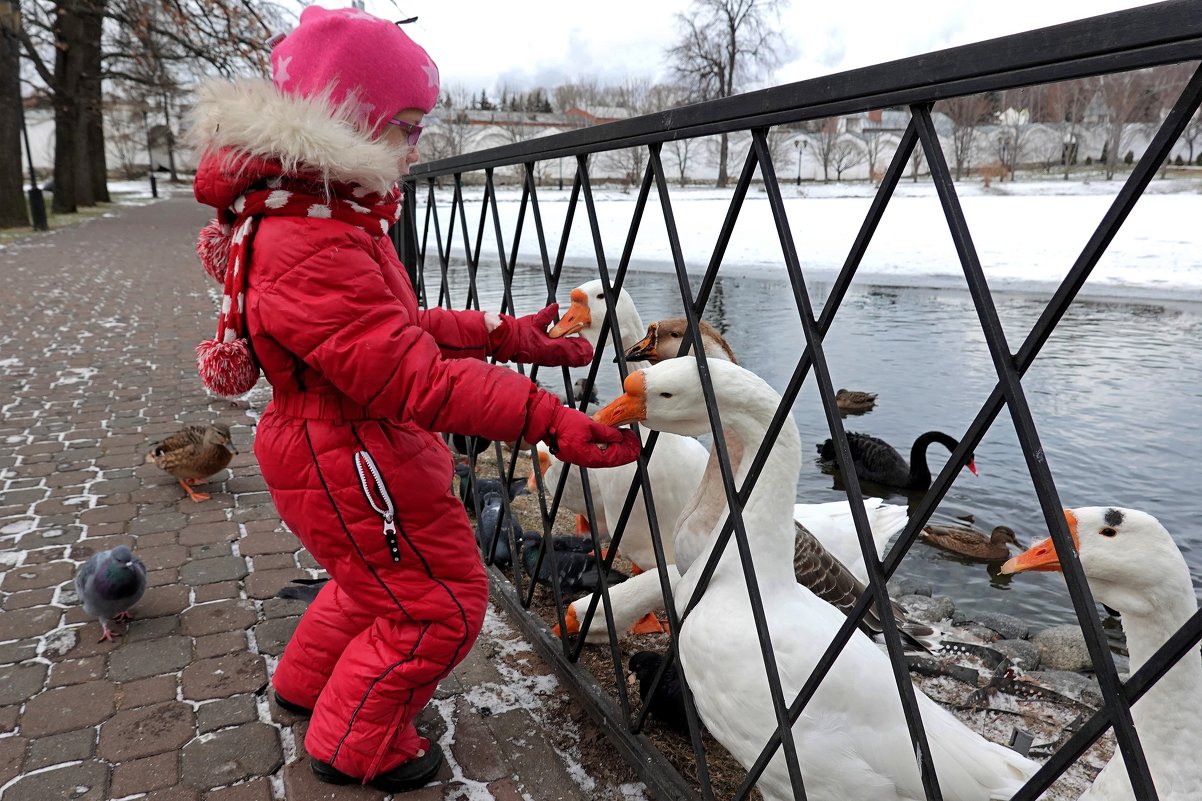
(226, 363)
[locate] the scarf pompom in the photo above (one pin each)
(227, 368)
(213, 248)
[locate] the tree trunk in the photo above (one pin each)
(92, 108)
(13, 213)
(723, 174)
(68, 71)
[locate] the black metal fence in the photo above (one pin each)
(433, 237)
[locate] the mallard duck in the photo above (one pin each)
(193, 454)
(971, 543)
(879, 462)
(852, 401)
(1133, 565)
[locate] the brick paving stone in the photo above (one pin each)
(146, 731)
(37, 576)
(43, 555)
(253, 790)
(224, 531)
(266, 542)
(12, 754)
(152, 628)
(218, 616)
(59, 748)
(76, 671)
(299, 782)
(109, 514)
(475, 747)
(224, 676)
(143, 692)
(156, 523)
(159, 601)
(176, 793)
(275, 561)
(208, 571)
(20, 682)
(8, 718)
(226, 712)
(231, 755)
(157, 540)
(87, 781)
(283, 607)
(210, 550)
(17, 651)
(273, 635)
(21, 623)
(222, 590)
(227, 642)
(138, 660)
(261, 585)
(163, 556)
(143, 775)
(63, 709)
(507, 789)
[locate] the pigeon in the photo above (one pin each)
(492, 513)
(667, 702)
(108, 584)
(466, 445)
(305, 589)
(577, 569)
(483, 486)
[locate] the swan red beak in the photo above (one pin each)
(630, 407)
(575, 318)
(1042, 556)
(972, 465)
(644, 349)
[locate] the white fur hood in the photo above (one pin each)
(252, 117)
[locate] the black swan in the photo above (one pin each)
(879, 462)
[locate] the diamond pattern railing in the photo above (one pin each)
(1166, 33)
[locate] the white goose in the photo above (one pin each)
(852, 741)
(1134, 566)
(831, 522)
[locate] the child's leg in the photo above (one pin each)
(327, 627)
(363, 721)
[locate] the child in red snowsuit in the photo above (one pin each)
(302, 172)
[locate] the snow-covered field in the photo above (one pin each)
(1027, 234)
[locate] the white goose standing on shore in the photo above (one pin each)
(1134, 566)
(852, 741)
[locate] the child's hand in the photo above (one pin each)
(525, 340)
(578, 439)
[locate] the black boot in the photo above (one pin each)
(295, 709)
(410, 775)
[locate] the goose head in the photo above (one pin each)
(587, 313)
(664, 338)
(1127, 555)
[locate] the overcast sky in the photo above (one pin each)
(484, 44)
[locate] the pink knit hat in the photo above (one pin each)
(351, 52)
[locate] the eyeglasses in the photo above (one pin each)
(411, 128)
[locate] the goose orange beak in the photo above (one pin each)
(575, 318)
(1042, 556)
(573, 624)
(544, 464)
(644, 349)
(629, 407)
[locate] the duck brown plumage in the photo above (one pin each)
(969, 542)
(194, 453)
(853, 401)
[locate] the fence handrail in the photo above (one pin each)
(1147, 36)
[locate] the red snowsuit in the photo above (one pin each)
(360, 378)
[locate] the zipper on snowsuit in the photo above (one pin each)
(364, 466)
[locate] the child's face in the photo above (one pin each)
(398, 136)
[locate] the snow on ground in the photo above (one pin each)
(1027, 234)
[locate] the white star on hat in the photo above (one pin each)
(431, 74)
(281, 71)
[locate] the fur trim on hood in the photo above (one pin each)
(253, 118)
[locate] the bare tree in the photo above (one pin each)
(12, 194)
(967, 113)
(1126, 96)
(874, 148)
(1013, 129)
(823, 135)
(723, 44)
(1192, 133)
(1065, 104)
(844, 155)
(577, 95)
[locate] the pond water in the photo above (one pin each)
(1115, 394)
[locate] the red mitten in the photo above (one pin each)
(575, 437)
(525, 340)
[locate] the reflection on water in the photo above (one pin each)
(1115, 395)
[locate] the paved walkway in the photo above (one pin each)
(98, 327)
